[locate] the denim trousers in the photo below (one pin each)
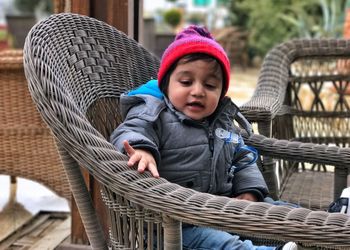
(202, 238)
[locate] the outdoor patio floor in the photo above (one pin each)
(31, 215)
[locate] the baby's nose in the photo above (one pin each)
(198, 89)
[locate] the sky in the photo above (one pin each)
(4, 4)
(149, 5)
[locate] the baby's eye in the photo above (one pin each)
(210, 86)
(185, 82)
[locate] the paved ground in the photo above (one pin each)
(21, 203)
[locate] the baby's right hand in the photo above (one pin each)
(144, 159)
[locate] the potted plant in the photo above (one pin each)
(173, 17)
(23, 17)
(29, 6)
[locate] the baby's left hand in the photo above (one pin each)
(247, 196)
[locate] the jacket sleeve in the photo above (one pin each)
(247, 176)
(139, 132)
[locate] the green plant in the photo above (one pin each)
(3, 35)
(316, 18)
(260, 20)
(270, 22)
(173, 17)
(195, 18)
(29, 6)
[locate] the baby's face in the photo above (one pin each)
(195, 88)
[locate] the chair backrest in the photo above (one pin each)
(77, 67)
(85, 61)
(317, 97)
(27, 147)
(306, 80)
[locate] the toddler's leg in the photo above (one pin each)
(201, 238)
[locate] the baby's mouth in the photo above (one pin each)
(195, 104)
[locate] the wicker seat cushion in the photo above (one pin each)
(310, 189)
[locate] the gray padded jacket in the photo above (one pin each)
(197, 155)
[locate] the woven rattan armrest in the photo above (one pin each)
(298, 151)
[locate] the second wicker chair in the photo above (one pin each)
(303, 95)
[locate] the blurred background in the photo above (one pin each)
(246, 28)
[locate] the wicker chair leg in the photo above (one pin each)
(83, 200)
(269, 170)
(13, 189)
(13, 179)
(172, 233)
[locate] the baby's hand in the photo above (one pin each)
(144, 159)
(246, 196)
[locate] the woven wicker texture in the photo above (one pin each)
(303, 95)
(77, 68)
(27, 147)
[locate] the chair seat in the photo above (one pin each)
(309, 189)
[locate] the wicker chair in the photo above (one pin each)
(77, 67)
(27, 147)
(303, 95)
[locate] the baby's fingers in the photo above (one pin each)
(150, 166)
(128, 149)
(153, 169)
(134, 158)
(141, 166)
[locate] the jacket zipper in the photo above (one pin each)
(211, 148)
(211, 140)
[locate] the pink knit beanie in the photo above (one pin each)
(194, 39)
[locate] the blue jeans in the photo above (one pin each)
(201, 238)
(280, 202)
